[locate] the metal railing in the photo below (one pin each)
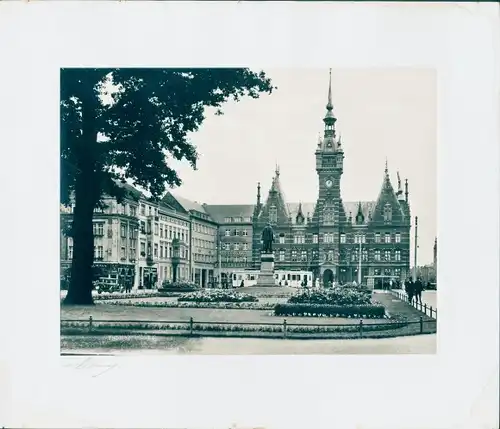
(428, 310)
(283, 329)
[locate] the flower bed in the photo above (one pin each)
(195, 304)
(120, 295)
(217, 295)
(177, 287)
(106, 296)
(339, 296)
(326, 310)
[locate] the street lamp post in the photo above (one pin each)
(219, 262)
(416, 247)
(359, 262)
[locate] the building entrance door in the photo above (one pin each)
(327, 277)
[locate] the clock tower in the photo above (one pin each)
(329, 213)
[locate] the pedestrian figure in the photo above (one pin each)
(409, 287)
(418, 287)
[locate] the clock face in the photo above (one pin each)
(328, 183)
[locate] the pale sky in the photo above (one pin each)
(380, 113)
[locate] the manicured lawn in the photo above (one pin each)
(123, 312)
(163, 345)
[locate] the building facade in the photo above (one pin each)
(116, 232)
(235, 238)
(203, 251)
(367, 241)
(160, 227)
(139, 244)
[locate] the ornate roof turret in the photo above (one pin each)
(360, 217)
(299, 218)
(387, 208)
(329, 142)
(399, 193)
(275, 209)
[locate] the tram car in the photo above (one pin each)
(246, 278)
(293, 278)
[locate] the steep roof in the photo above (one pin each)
(275, 199)
(130, 191)
(307, 209)
(163, 205)
(190, 205)
(220, 212)
(387, 197)
(367, 208)
(185, 204)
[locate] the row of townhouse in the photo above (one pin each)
(141, 243)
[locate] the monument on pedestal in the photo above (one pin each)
(266, 275)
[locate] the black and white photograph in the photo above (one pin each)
(250, 211)
(278, 215)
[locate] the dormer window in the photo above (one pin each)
(273, 214)
(387, 213)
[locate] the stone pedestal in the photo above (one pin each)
(266, 275)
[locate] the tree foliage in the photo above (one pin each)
(126, 123)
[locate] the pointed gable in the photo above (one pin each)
(387, 209)
(170, 200)
(275, 209)
(299, 217)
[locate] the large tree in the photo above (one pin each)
(119, 124)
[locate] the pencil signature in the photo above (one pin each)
(91, 363)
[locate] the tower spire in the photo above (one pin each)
(406, 190)
(329, 105)
(258, 193)
(329, 118)
(386, 167)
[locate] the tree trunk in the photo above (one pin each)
(80, 287)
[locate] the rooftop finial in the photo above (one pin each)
(386, 166)
(277, 171)
(329, 105)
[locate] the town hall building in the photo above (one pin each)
(337, 241)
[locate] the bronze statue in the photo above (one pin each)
(267, 239)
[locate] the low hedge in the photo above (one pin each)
(326, 310)
(216, 327)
